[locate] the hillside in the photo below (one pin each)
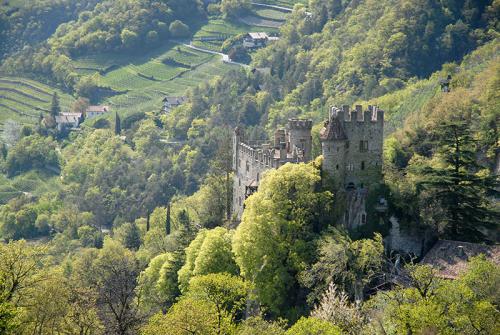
(229, 167)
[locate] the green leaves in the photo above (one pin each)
(280, 221)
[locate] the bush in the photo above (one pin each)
(179, 29)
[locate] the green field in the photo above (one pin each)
(34, 182)
(271, 14)
(148, 97)
(147, 78)
(23, 100)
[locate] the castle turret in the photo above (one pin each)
(238, 137)
(300, 139)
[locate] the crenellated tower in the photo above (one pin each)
(352, 146)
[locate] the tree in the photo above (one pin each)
(118, 127)
(458, 184)
(178, 29)
(158, 283)
(432, 305)
(233, 8)
(350, 264)
(112, 272)
(32, 152)
(11, 133)
(209, 252)
(280, 222)
(257, 325)
(129, 38)
(88, 87)
(20, 264)
(131, 236)
(336, 308)
(55, 108)
(187, 317)
(313, 326)
(222, 165)
(227, 292)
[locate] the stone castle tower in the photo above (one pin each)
(251, 159)
(351, 145)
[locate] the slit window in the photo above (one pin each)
(362, 165)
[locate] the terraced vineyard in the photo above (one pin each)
(23, 100)
(36, 183)
(148, 97)
(211, 36)
(146, 79)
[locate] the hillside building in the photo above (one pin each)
(351, 145)
(66, 121)
(95, 111)
(171, 102)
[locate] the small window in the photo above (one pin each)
(337, 167)
(363, 218)
(239, 182)
(248, 166)
(363, 146)
(362, 165)
(347, 144)
(338, 149)
(258, 175)
(239, 200)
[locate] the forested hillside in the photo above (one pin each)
(123, 224)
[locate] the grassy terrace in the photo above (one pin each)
(23, 100)
(146, 79)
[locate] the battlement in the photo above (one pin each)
(300, 124)
(345, 114)
(251, 159)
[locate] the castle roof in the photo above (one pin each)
(332, 130)
(97, 109)
(450, 258)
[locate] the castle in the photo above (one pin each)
(351, 145)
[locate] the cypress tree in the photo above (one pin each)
(118, 128)
(167, 223)
(55, 107)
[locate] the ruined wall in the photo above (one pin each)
(252, 159)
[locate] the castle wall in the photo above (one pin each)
(252, 160)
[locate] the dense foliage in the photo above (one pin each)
(137, 236)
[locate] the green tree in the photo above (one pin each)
(158, 282)
(112, 271)
(20, 266)
(55, 107)
(257, 325)
(433, 305)
(458, 183)
(178, 29)
(233, 8)
(227, 292)
(209, 252)
(129, 38)
(32, 152)
(350, 264)
(187, 317)
(280, 221)
(118, 126)
(313, 326)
